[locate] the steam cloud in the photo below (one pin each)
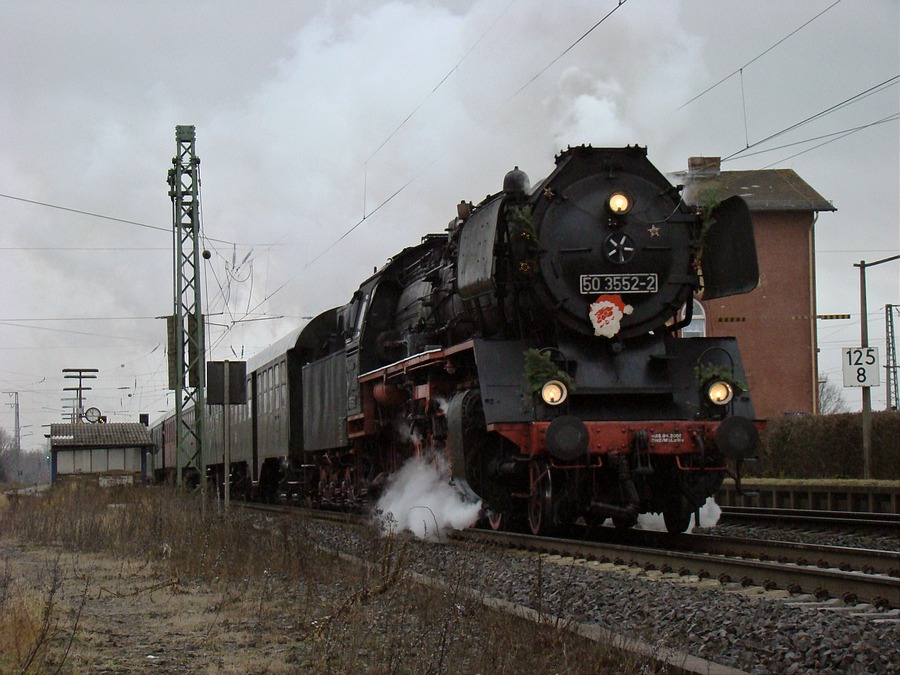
(709, 516)
(419, 498)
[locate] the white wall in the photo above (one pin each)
(97, 460)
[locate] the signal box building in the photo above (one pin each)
(776, 323)
(104, 454)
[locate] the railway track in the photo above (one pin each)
(810, 517)
(820, 571)
(850, 574)
(844, 558)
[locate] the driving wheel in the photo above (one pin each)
(540, 500)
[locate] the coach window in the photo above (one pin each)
(277, 385)
(265, 391)
(261, 391)
(697, 326)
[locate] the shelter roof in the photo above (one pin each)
(112, 435)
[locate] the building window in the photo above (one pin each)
(697, 326)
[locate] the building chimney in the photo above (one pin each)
(704, 166)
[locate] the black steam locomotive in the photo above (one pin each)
(537, 345)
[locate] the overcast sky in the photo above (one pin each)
(319, 119)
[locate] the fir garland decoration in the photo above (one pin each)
(540, 368)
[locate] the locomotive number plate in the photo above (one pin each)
(591, 284)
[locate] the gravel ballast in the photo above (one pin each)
(750, 630)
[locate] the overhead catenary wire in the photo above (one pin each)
(567, 50)
(441, 82)
(223, 281)
(72, 332)
(92, 214)
(758, 56)
(890, 82)
(82, 318)
(414, 111)
(222, 288)
(365, 217)
(86, 213)
(85, 248)
(834, 135)
(890, 118)
(516, 93)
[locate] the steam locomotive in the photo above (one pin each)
(536, 344)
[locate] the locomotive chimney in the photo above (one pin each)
(704, 166)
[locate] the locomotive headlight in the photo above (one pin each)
(619, 203)
(720, 392)
(554, 392)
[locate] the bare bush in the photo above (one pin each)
(828, 446)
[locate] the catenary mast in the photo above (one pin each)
(187, 359)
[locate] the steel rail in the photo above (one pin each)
(845, 558)
(879, 589)
(811, 516)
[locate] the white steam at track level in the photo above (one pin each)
(420, 498)
(709, 516)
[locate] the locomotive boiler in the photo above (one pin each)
(536, 343)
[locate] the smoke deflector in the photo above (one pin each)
(729, 259)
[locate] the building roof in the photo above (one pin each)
(113, 435)
(763, 189)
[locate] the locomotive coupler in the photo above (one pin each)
(640, 444)
(736, 476)
(698, 439)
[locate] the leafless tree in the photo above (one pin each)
(6, 455)
(830, 400)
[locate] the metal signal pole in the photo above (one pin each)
(187, 357)
(864, 339)
(893, 391)
(80, 374)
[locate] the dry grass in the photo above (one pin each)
(20, 618)
(34, 635)
(131, 579)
